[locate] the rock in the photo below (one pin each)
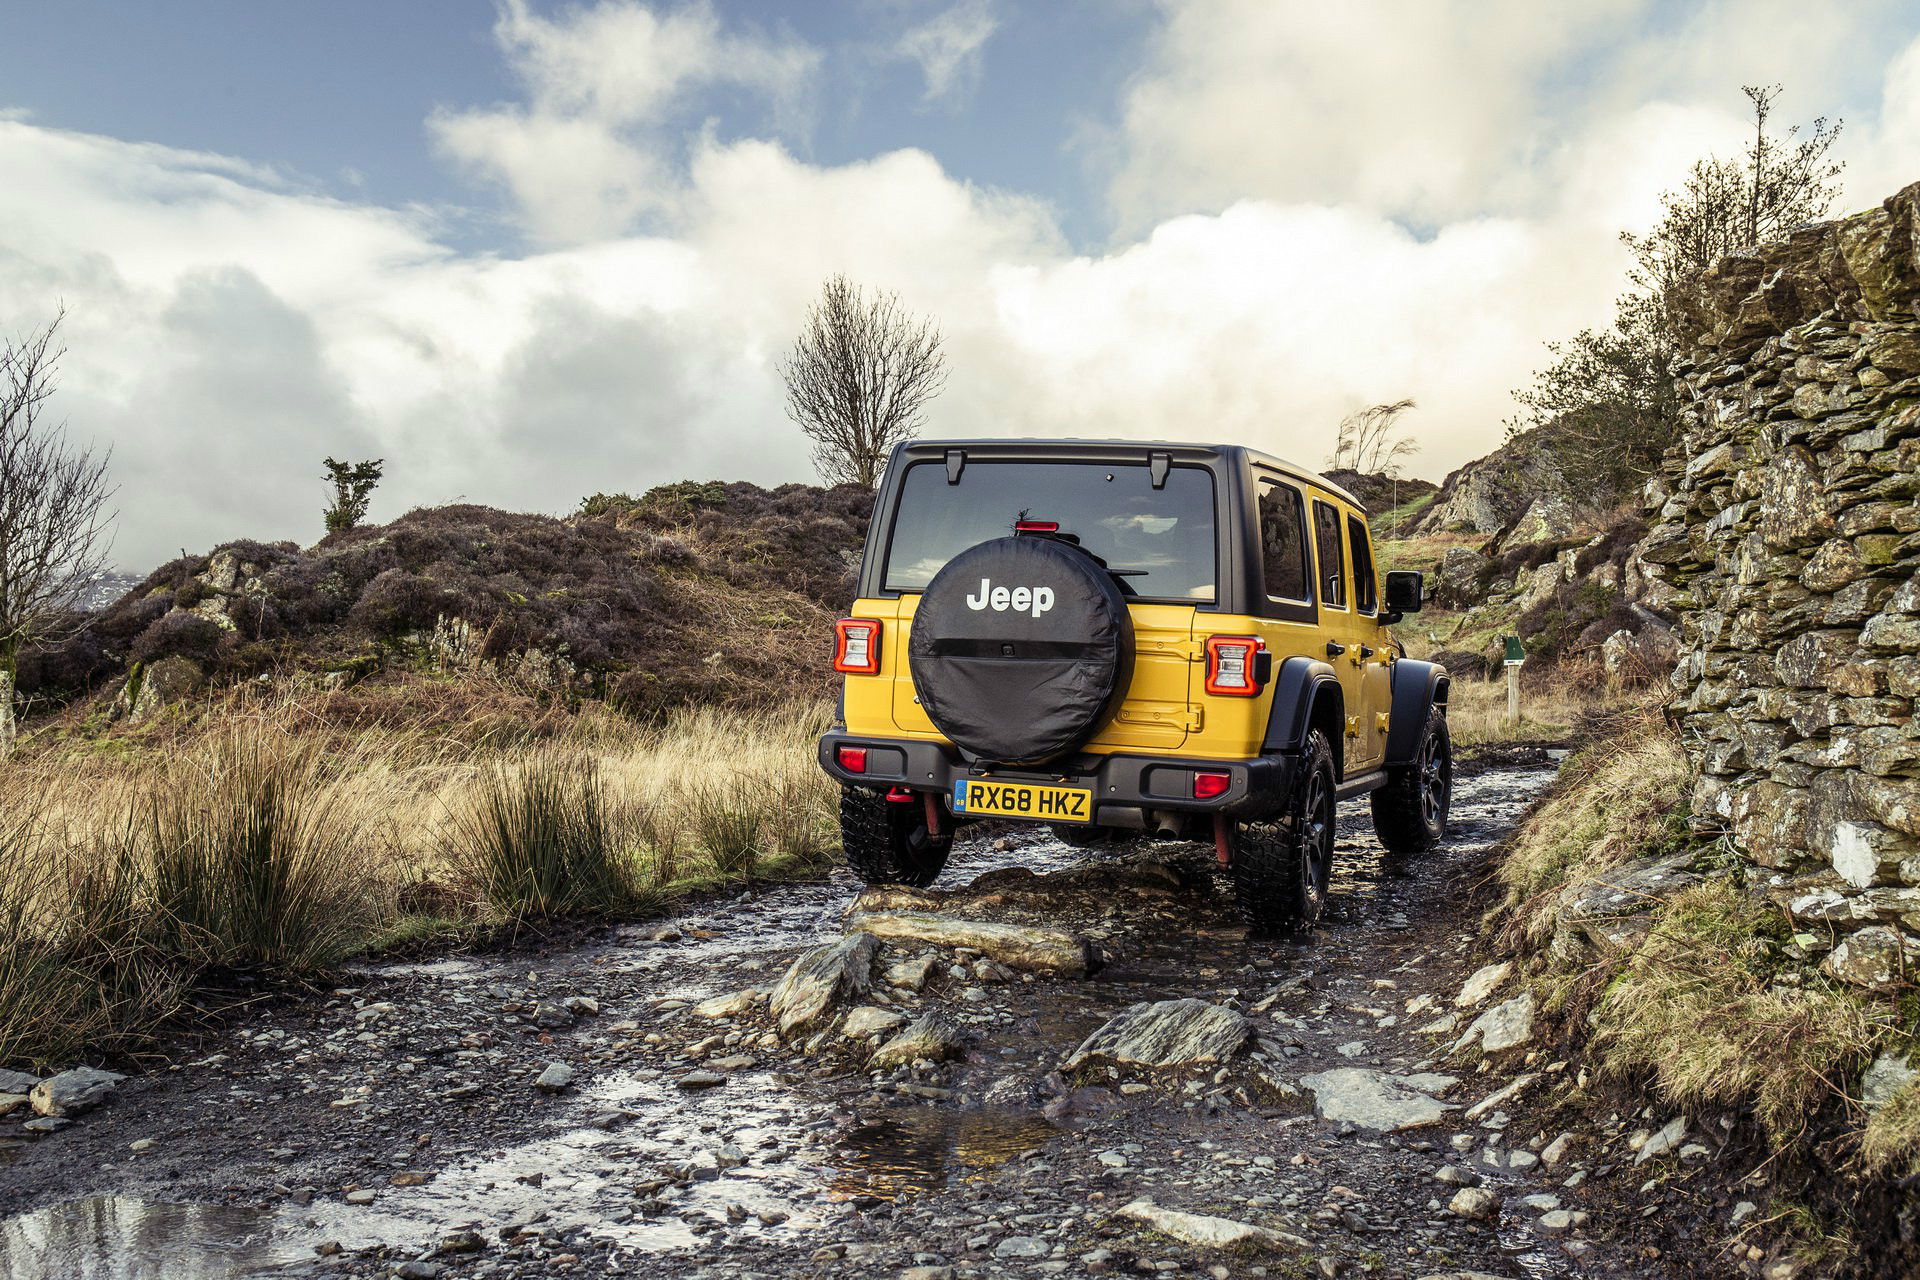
(1207, 1232)
(1022, 1247)
(869, 1020)
(1670, 1136)
(1165, 1033)
(820, 979)
(1503, 1027)
(1507, 1093)
(12, 1102)
(1556, 1221)
(17, 1081)
(359, 1195)
(140, 1144)
(928, 1037)
(586, 1005)
(731, 1062)
(72, 1092)
(1477, 1203)
(912, 973)
(700, 1080)
(1885, 1077)
(1877, 957)
(46, 1124)
(552, 1017)
(556, 1077)
(733, 1004)
(1378, 1100)
(1482, 984)
(1450, 1175)
(1557, 1150)
(1027, 947)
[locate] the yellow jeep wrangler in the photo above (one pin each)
(1189, 640)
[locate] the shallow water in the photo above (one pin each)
(124, 1238)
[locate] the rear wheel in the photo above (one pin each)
(1281, 868)
(1410, 812)
(887, 841)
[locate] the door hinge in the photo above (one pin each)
(1380, 721)
(1191, 650)
(1353, 726)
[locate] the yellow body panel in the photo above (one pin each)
(1167, 710)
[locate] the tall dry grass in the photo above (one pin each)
(1552, 704)
(268, 839)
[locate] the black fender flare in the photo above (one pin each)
(1299, 687)
(1417, 686)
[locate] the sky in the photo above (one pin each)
(529, 251)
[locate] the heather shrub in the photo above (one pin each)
(179, 635)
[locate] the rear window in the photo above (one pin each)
(1162, 538)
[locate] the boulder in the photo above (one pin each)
(1460, 579)
(72, 1092)
(1477, 1203)
(1885, 1077)
(733, 1004)
(1379, 1100)
(1165, 1033)
(912, 973)
(556, 1077)
(1482, 984)
(928, 1037)
(1878, 957)
(1036, 949)
(1207, 1232)
(1503, 1027)
(870, 1020)
(821, 979)
(17, 1081)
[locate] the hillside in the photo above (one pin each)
(690, 593)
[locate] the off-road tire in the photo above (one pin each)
(887, 842)
(1281, 868)
(1410, 812)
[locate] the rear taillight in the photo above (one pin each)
(1036, 526)
(857, 646)
(1234, 665)
(853, 759)
(1208, 785)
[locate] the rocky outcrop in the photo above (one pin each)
(1517, 484)
(1789, 540)
(821, 980)
(1165, 1033)
(1028, 947)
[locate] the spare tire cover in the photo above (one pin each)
(1021, 647)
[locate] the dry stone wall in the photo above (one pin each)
(1788, 528)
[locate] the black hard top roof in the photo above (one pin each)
(1187, 451)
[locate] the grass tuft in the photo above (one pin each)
(535, 838)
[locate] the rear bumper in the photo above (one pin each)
(1256, 788)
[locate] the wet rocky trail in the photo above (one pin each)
(625, 1103)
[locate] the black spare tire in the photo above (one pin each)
(1021, 648)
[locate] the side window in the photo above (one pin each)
(1326, 546)
(1283, 542)
(1363, 591)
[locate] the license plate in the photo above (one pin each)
(1021, 800)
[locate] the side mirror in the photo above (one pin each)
(1406, 591)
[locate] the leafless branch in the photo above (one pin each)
(1367, 441)
(55, 528)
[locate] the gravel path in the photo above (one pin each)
(394, 1125)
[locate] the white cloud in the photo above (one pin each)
(227, 328)
(594, 148)
(948, 48)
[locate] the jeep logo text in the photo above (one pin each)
(1034, 600)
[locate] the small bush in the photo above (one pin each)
(535, 839)
(179, 635)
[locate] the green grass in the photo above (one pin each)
(535, 838)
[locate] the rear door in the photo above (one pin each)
(1372, 657)
(1160, 541)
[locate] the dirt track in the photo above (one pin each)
(415, 1084)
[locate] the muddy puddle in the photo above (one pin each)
(900, 1155)
(126, 1238)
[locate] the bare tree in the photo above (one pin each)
(1369, 441)
(859, 378)
(55, 529)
